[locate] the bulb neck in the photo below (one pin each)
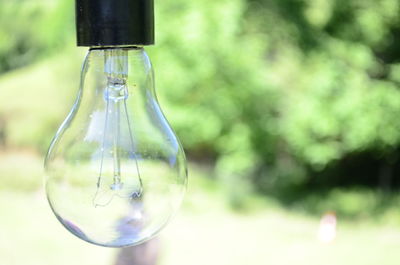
(117, 47)
(102, 23)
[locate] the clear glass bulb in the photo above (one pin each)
(115, 171)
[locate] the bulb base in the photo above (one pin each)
(114, 23)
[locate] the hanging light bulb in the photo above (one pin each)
(115, 171)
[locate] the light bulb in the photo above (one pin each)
(115, 171)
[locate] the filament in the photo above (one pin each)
(102, 153)
(134, 155)
(116, 156)
(115, 92)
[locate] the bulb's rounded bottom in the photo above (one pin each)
(124, 240)
(122, 221)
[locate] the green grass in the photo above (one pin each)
(35, 99)
(206, 231)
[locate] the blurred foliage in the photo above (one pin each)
(31, 29)
(270, 92)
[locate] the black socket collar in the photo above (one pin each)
(114, 22)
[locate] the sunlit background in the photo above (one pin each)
(289, 112)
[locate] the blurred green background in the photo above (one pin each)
(287, 109)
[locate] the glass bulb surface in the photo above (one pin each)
(115, 171)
